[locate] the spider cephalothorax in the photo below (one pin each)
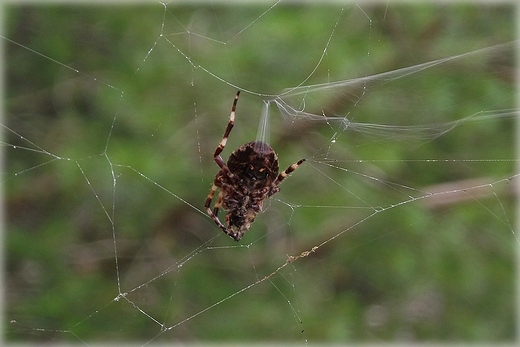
(248, 178)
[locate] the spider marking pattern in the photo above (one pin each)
(248, 178)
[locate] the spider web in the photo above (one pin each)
(399, 226)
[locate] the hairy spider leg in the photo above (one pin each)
(222, 144)
(216, 207)
(220, 162)
(213, 214)
(287, 172)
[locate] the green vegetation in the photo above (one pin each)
(123, 148)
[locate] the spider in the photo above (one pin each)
(248, 178)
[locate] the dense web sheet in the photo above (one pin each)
(400, 226)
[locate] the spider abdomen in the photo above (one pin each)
(255, 163)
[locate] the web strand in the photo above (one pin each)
(399, 222)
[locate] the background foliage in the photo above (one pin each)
(418, 272)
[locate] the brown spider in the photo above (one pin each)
(248, 178)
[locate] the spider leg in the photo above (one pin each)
(222, 144)
(213, 213)
(287, 172)
(216, 207)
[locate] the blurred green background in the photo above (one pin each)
(112, 117)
